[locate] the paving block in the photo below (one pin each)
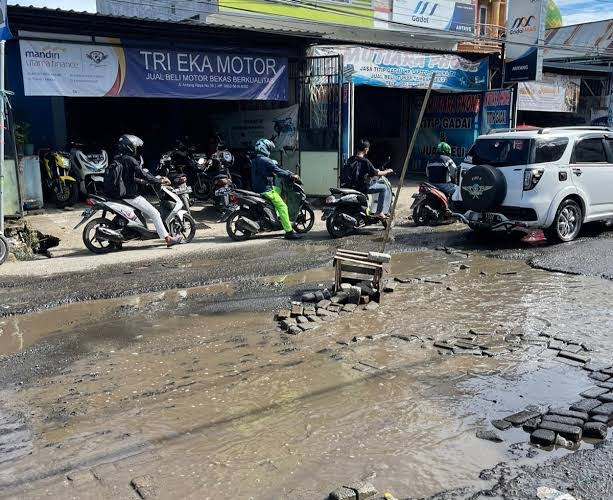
(502, 425)
(390, 286)
(302, 319)
(308, 326)
(570, 432)
(581, 358)
(543, 437)
(531, 425)
(366, 491)
(606, 385)
(340, 298)
(522, 417)
(479, 332)
(309, 297)
(297, 310)
(327, 294)
(294, 330)
(313, 318)
(601, 377)
(608, 371)
(380, 258)
(556, 345)
(321, 312)
(350, 307)
(371, 306)
(594, 392)
(585, 405)
(355, 292)
(144, 486)
(563, 420)
(607, 397)
(605, 409)
(319, 296)
(603, 419)
(569, 413)
(595, 430)
(465, 345)
(574, 348)
(310, 310)
(345, 287)
(444, 345)
(324, 304)
(343, 494)
(286, 323)
(489, 435)
(364, 299)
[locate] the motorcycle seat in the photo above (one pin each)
(344, 191)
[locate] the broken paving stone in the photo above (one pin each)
(522, 417)
(585, 405)
(390, 287)
(144, 486)
(335, 308)
(302, 319)
(297, 310)
(324, 304)
(310, 310)
(364, 299)
(466, 345)
(502, 425)
(294, 330)
(574, 357)
(343, 494)
(321, 312)
(601, 377)
(340, 298)
(531, 425)
(283, 314)
(319, 296)
(569, 413)
(595, 430)
(379, 257)
(366, 490)
(494, 351)
(563, 420)
(594, 392)
(574, 348)
(556, 345)
(345, 287)
(605, 409)
(350, 307)
(603, 419)
(313, 318)
(543, 437)
(403, 280)
(489, 435)
(371, 306)
(327, 294)
(479, 332)
(570, 432)
(286, 323)
(355, 292)
(308, 326)
(444, 345)
(308, 297)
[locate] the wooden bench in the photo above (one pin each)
(353, 267)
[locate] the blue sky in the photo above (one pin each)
(573, 11)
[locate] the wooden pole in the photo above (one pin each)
(406, 162)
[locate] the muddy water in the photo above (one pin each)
(225, 405)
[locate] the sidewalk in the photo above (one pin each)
(72, 256)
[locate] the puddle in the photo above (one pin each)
(231, 405)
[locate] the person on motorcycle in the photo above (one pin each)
(130, 159)
(263, 172)
(441, 170)
(367, 179)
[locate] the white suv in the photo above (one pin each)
(553, 179)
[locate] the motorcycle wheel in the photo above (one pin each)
(65, 194)
(234, 232)
(335, 228)
(92, 243)
(187, 228)
(304, 220)
(420, 216)
(4, 249)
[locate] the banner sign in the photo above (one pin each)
(525, 30)
(401, 69)
(5, 32)
(445, 15)
(243, 129)
(79, 70)
(556, 93)
(496, 110)
(453, 118)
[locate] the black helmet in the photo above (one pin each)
(130, 145)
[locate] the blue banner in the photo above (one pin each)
(5, 32)
(496, 110)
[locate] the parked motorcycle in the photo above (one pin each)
(347, 210)
(88, 168)
(61, 186)
(251, 213)
(182, 190)
(431, 206)
(105, 234)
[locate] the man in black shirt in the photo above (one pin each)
(364, 177)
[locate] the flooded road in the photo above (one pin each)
(205, 401)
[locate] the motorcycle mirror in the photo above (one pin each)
(201, 161)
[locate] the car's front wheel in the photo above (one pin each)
(567, 222)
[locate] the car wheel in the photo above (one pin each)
(567, 222)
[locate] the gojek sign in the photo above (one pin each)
(525, 29)
(71, 69)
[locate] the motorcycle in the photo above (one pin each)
(182, 190)
(348, 209)
(103, 234)
(251, 213)
(184, 161)
(88, 168)
(431, 206)
(63, 188)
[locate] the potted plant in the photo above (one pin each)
(22, 138)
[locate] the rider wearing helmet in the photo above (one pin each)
(263, 173)
(129, 156)
(441, 170)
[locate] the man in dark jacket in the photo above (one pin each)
(441, 171)
(129, 157)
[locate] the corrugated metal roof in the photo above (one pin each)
(580, 41)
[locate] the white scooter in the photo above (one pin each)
(88, 168)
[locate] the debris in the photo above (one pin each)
(366, 490)
(403, 280)
(343, 493)
(571, 432)
(543, 437)
(564, 443)
(489, 435)
(502, 425)
(595, 430)
(464, 266)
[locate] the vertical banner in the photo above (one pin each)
(525, 30)
(496, 110)
(5, 32)
(346, 116)
(453, 118)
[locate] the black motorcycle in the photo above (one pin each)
(251, 213)
(346, 210)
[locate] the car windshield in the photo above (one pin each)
(499, 152)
